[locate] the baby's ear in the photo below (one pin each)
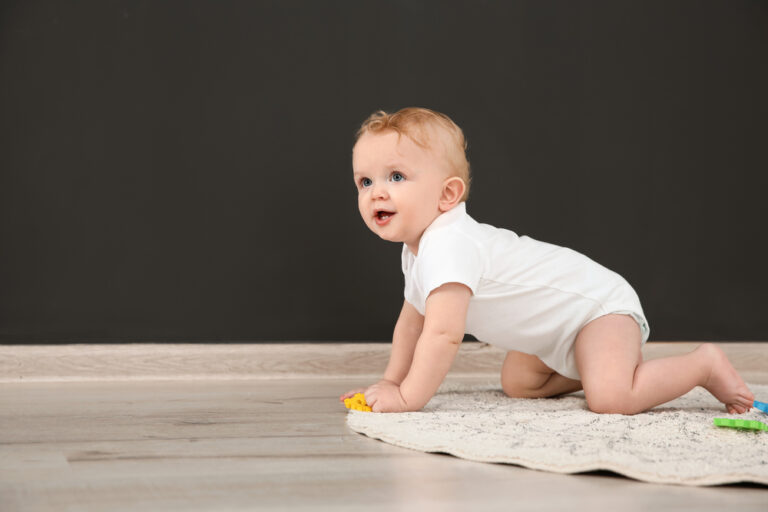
(453, 190)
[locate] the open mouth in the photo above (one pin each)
(382, 217)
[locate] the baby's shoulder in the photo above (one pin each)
(451, 248)
(470, 234)
(448, 237)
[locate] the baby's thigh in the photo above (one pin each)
(607, 352)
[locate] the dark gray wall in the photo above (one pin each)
(180, 170)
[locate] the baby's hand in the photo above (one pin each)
(384, 396)
(350, 394)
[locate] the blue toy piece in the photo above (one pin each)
(760, 405)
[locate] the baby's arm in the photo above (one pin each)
(442, 333)
(406, 334)
(407, 331)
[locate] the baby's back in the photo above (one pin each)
(524, 261)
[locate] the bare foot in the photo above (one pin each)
(724, 381)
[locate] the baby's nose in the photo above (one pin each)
(380, 190)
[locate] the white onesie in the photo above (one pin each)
(529, 296)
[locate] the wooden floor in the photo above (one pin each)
(152, 428)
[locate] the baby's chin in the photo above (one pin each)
(389, 238)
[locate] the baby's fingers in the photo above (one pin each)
(350, 394)
(371, 397)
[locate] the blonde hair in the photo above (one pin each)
(416, 122)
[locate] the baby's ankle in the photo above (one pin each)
(709, 357)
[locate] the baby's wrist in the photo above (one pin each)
(412, 398)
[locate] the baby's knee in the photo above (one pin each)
(523, 375)
(515, 389)
(611, 402)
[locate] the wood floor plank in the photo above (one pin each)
(146, 361)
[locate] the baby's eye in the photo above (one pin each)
(396, 176)
(366, 182)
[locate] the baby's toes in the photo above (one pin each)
(745, 396)
(735, 408)
(745, 402)
(741, 408)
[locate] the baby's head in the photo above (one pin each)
(429, 130)
(409, 167)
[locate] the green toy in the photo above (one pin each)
(741, 424)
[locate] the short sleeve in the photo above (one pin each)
(405, 261)
(449, 257)
(409, 291)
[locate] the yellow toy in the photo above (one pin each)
(357, 403)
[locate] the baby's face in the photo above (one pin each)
(399, 186)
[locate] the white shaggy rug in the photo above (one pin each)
(675, 443)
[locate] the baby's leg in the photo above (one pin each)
(617, 380)
(526, 376)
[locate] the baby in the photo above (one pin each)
(567, 322)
